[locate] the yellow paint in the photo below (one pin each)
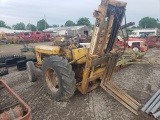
(78, 53)
(99, 70)
(48, 50)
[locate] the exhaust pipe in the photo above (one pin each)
(150, 101)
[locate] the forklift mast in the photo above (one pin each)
(108, 21)
(101, 59)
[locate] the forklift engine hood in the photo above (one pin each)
(54, 50)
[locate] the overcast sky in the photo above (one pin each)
(59, 11)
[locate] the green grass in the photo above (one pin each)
(3, 45)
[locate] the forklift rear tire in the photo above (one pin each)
(31, 70)
(58, 78)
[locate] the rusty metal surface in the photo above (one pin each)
(153, 41)
(12, 114)
(9, 99)
(127, 25)
(114, 90)
(107, 8)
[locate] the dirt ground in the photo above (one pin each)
(6, 49)
(139, 81)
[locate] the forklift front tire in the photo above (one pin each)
(31, 70)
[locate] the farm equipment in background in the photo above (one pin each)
(26, 37)
(137, 44)
(47, 36)
(68, 65)
(37, 36)
(14, 38)
(12, 107)
(3, 38)
(153, 41)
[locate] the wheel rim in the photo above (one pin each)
(135, 49)
(52, 80)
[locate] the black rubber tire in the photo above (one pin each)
(31, 70)
(65, 78)
(137, 47)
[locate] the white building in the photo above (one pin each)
(148, 31)
(7, 30)
(72, 30)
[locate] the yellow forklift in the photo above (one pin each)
(70, 66)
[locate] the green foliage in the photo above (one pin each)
(8, 27)
(31, 27)
(148, 22)
(62, 26)
(69, 23)
(92, 26)
(158, 25)
(55, 26)
(2, 23)
(133, 27)
(19, 26)
(84, 21)
(42, 24)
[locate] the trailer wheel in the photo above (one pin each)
(58, 78)
(136, 48)
(31, 70)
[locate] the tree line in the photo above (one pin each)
(42, 24)
(146, 22)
